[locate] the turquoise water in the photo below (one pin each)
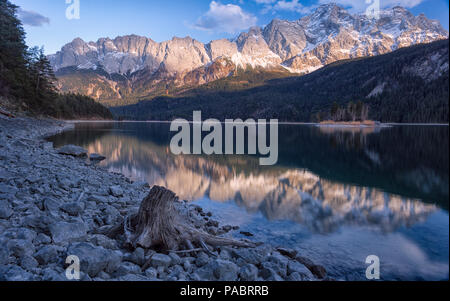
(336, 194)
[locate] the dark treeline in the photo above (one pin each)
(27, 80)
(403, 96)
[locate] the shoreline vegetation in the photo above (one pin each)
(53, 204)
(27, 81)
(365, 123)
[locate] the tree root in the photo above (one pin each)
(158, 225)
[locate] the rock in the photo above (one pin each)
(52, 205)
(5, 209)
(140, 185)
(104, 276)
(151, 273)
(116, 191)
(28, 263)
(137, 257)
(20, 247)
(5, 176)
(41, 238)
(7, 189)
(73, 209)
(133, 278)
(248, 234)
(27, 234)
(175, 258)
(305, 261)
(127, 268)
(205, 273)
(96, 157)
(72, 150)
(4, 256)
(161, 260)
(225, 254)
(110, 215)
(50, 274)
(212, 223)
(287, 252)
(269, 270)
(295, 277)
(202, 259)
(97, 199)
(225, 270)
(248, 272)
(15, 273)
(38, 222)
(47, 146)
(103, 241)
(280, 263)
(227, 228)
(63, 232)
(249, 256)
(303, 271)
(187, 266)
(319, 271)
(47, 254)
(95, 259)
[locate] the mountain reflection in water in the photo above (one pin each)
(326, 180)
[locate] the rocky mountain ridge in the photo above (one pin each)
(329, 34)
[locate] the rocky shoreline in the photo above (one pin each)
(54, 205)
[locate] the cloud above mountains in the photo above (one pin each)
(227, 18)
(356, 6)
(32, 18)
(232, 18)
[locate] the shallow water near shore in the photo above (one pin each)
(337, 194)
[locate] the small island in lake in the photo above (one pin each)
(353, 115)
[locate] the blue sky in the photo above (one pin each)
(46, 24)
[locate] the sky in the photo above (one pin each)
(54, 23)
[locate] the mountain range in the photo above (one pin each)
(130, 68)
(408, 85)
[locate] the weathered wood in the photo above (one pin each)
(158, 225)
(7, 114)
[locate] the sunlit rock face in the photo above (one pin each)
(278, 193)
(327, 35)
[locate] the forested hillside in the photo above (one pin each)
(27, 81)
(408, 85)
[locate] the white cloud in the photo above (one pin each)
(228, 18)
(293, 5)
(358, 6)
(355, 6)
(285, 5)
(265, 1)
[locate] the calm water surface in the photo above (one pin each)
(338, 195)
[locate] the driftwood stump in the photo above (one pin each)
(158, 225)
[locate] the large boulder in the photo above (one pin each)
(72, 150)
(225, 270)
(161, 260)
(95, 259)
(96, 157)
(47, 254)
(5, 209)
(63, 232)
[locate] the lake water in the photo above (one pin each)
(337, 195)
